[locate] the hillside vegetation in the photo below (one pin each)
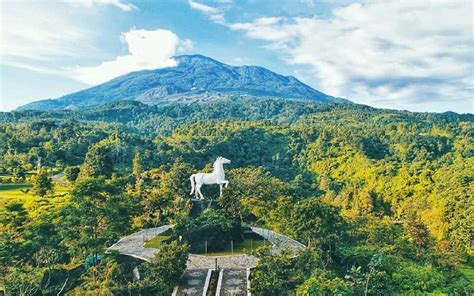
(383, 199)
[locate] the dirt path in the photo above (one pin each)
(58, 178)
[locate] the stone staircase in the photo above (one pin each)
(194, 283)
(231, 282)
(234, 282)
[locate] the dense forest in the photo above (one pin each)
(382, 199)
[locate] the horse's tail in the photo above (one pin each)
(192, 179)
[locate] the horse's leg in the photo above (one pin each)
(226, 183)
(220, 186)
(196, 190)
(199, 191)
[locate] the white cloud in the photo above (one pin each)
(396, 54)
(63, 32)
(203, 8)
(185, 45)
(216, 15)
(147, 50)
(240, 61)
(92, 3)
(26, 37)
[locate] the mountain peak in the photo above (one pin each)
(186, 58)
(195, 78)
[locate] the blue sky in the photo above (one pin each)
(414, 55)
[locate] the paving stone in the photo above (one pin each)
(237, 261)
(234, 282)
(192, 282)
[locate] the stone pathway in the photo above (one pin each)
(237, 261)
(58, 178)
(192, 282)
(132, 245)
(280, 242)
(234, 282)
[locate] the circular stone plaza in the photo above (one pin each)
(234, 270)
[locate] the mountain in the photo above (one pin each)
(196, 78)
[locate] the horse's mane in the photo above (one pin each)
(214, 166)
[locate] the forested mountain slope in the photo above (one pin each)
(387, 191)
(194, 79)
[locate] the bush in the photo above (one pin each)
(71, 173)
(415, 278)
(213, 226)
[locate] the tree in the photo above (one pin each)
(418, 234)
(71, 173)
(42, 183)
(272, 274)
(252, 191)
(212, 227)
(97, 214)
(323, 282)
(98, 161)
(13, 218)
(315, 223)
(168, 266)
(24, 281)
(161, 191)
(137, 165)
(114, 274)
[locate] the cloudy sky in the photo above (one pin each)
(415, 55)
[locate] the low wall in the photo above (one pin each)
(279, 242)
(133, 245)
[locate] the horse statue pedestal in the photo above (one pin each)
(199, 206)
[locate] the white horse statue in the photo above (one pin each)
(216, 177)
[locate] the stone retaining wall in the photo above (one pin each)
(132, 245)
(279, 242)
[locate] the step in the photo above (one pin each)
(234, 282)
(193, 283)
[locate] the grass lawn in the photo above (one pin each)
(33, 203)
(157, 241)
(243, 247)
(20, 190)
(15, 191)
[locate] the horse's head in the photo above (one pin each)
(222, 160)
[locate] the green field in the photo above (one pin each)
(246, 246)
(15, 191)
(243, 247)
(21, 190)
(157, 240)
(35, 204)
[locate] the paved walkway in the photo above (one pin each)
(237, 261)
(234, 282)
(192, 282)
(280, 242)
(58, 178)
(132, 245)
(234, 279)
